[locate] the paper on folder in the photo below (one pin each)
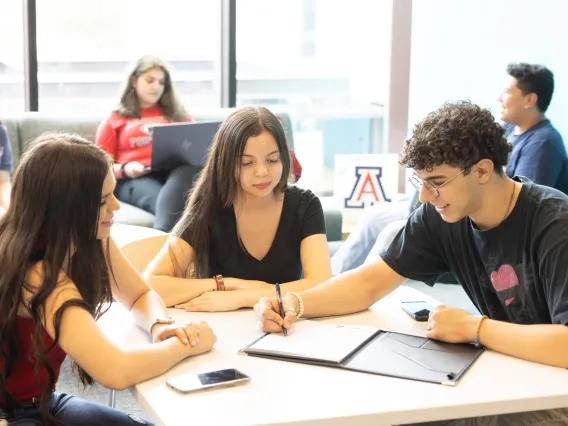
(318, 341)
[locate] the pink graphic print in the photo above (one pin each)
(504, 279)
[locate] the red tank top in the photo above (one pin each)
(21, 383)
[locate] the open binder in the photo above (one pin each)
(368, 350)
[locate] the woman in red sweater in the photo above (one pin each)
(148, 98)
(56, 280)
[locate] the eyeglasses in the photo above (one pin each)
(417, 183)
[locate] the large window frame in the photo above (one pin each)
(226, 75)
(225, 78)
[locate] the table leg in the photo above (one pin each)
(111, 398)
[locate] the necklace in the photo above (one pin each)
(509, 206)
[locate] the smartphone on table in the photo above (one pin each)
(213, 379)
(419, 310)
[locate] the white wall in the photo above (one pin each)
(460, 49)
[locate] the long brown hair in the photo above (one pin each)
(56, 195)
(169, 104)
(218, 184)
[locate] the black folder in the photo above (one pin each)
(383, 353)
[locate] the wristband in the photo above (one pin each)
(160, 320)
(122, 173)
(219, 282)
(476, 342)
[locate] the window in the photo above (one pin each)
(327, 61)
(84, 48)
(12, 95)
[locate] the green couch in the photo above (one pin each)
(24, 128)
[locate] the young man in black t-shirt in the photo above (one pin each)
(506, 241)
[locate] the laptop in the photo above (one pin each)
(177, 144)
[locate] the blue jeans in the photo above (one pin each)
(73, 411)
(161, 193)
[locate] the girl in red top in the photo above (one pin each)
(56, 279)
(148, 98)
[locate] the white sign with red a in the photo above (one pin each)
(362, 180)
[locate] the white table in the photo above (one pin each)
(284, 393)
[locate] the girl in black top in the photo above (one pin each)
(243, 224)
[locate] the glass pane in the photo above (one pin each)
(452, 59)
(12, 95)
(84, 48)
(328, 62)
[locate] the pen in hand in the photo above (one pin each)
(279, 295)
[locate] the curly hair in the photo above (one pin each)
(458, 134)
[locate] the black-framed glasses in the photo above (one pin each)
(417, 183)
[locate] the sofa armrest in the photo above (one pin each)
(130, 215)
(333, 224)
(333, 218)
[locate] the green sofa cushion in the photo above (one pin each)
(131, 215)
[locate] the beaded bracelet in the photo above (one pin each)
(219, 282)
(216, 283)
(300, 301)
(476, 342)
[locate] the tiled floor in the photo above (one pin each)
(452, 295)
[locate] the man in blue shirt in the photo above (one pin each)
(538, 150)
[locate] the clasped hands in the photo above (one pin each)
(221, 301)
(190, 333)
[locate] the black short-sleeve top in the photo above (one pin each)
(301, 217)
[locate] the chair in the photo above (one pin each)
(141, 252)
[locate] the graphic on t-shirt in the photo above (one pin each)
(138, 131)
(504, 280)
(144, 128)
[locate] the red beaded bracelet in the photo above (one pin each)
(220, 282)
(216, 282)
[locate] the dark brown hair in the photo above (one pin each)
(169, 104)
(218, 185)
(56, 196)
(458, 134)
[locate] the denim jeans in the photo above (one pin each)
(72, 411)
(161, 193)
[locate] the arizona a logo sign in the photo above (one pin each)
(361, 180)
(368, 188)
